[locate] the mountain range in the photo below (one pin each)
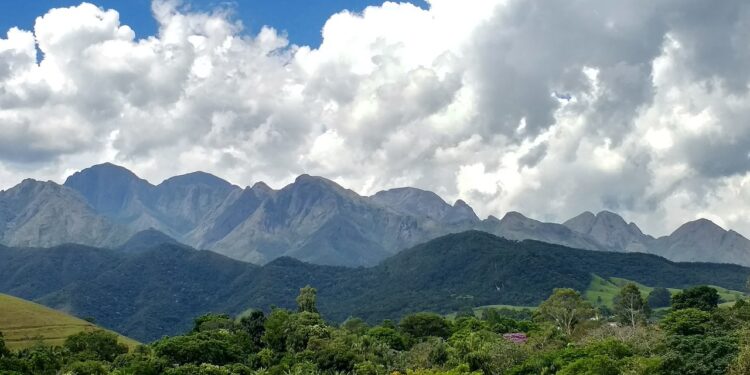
(312, 219)
(160, 288)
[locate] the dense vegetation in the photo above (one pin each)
(149, 293)
(566, 335)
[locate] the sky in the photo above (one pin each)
(547, 108)
(300, 20)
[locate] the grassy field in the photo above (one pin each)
(25, 323)
(602, 291)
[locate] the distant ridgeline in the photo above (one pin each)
(313, 220)
(154, 287)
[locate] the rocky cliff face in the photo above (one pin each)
(312, 219)
(703, 241)
(695, 241)
(36, 213)
(516, 226)
(611, 231)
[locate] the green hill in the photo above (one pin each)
(159, 291)
(602, 291)
(25, 323)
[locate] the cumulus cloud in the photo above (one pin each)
(545, 108)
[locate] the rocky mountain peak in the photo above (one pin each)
(514, 217)
(699, 227)
(197, 178)
(462, 211)
(108, 187)
(581, 223)
(261, 186)
(413, 201)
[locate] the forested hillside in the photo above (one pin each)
(566, 335)
(155, 292)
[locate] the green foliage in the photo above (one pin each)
(211, 321)
(389, 336)
(3, 350)
(699, 354)
(214, 347)
(160, 303)
(485, 351)
(306, 300)
(422, 325)
(42, 359)
(689, 321)
(209, 369)
(141, 362)
(96, 346)
(659, 297)
(701, 297)
(630, 306)
(87, 368)
(596, 365)
(253, 324)
(566, 309)
(355, 325)
(687, 341)
(699, 341)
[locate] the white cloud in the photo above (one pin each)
(546, 108)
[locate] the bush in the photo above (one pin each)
(96, 345)
(423, 325)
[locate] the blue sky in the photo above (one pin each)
(301, 19)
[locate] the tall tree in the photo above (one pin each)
(306, 300)
(659, 297)
(630, 307)
(254, 325)
(566, 309)
(700, 297)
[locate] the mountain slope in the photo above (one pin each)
(24, 324)
(611, 230)
(316, 220)
(426, 204)
(312, 219)
(175, 207)
(515, 226)
(159, 291)
(146, 240)
(702, 240)
(696, 241)
(36, 213)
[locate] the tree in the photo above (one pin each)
(389, 336)
(701, 297)
(254, 325)
(686, 322)
(86, 368)
(422, 325)
(659, 297)
(355, 325)
(96, 345)
(211, 321)
(566, 309)
(42, 359)
(306, 300)
(699, 354)
(3, 350)
(630, 307)
(214, 347)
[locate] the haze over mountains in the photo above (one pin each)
(312, 219)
